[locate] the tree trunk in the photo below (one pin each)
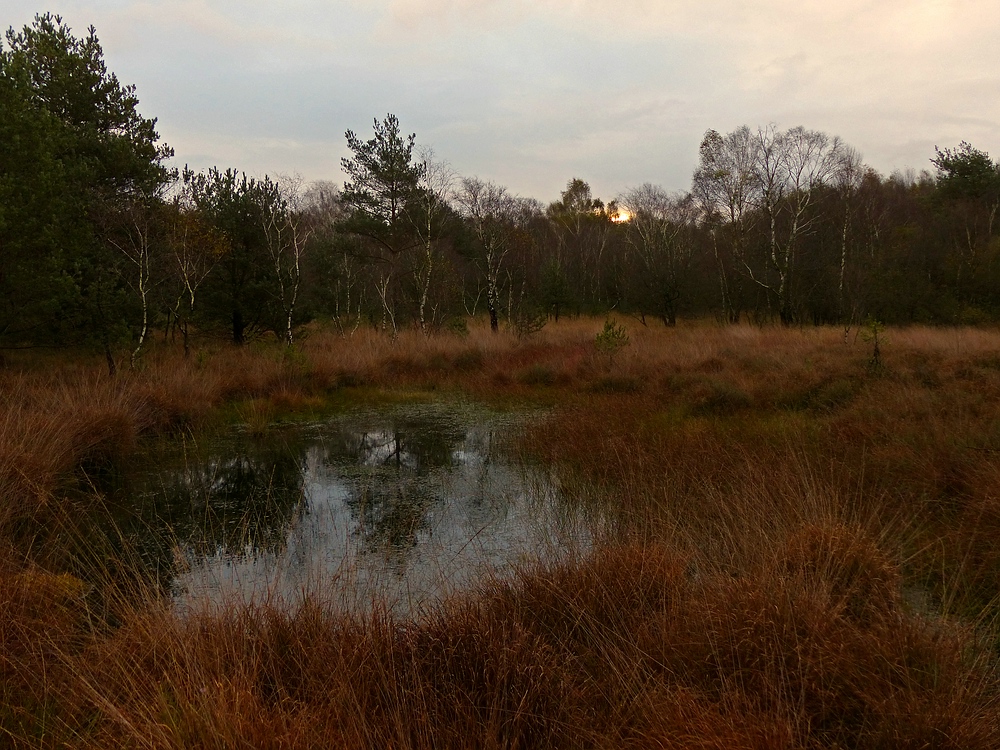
(112, 366)
(239, 326)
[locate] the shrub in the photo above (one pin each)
(458, 327)
(611, 340)
(526, 323)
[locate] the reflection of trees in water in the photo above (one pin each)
(391, 511)
(418, 443)
(240, 496)
(237, 501)
(391, 497)
(244, 502)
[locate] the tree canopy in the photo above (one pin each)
(785, 225)
(382, 179)
(76, 159)
(967, 172)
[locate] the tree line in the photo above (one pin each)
(102, 244)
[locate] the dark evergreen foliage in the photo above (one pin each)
(78, 163)
(783, 226)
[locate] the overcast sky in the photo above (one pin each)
(531, 93)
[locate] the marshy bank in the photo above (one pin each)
(768, 501)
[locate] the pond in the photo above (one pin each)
(394, 508)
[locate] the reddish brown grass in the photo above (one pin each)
(794, 551)
(629, 647)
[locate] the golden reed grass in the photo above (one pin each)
(797, 550)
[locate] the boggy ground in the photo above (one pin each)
(798, 547)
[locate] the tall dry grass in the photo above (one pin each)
(629, 647)
(796, 550)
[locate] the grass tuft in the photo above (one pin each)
(761, 503)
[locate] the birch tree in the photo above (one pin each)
(496, 218)
(770, 176)
(194, 248)
(848, 180)
(658, 237)
(727, 194)
(288, 228)
(133, 238)
(790, 167)
(427, 213)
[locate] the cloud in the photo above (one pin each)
(532, 92)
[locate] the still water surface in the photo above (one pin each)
(394, 507)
